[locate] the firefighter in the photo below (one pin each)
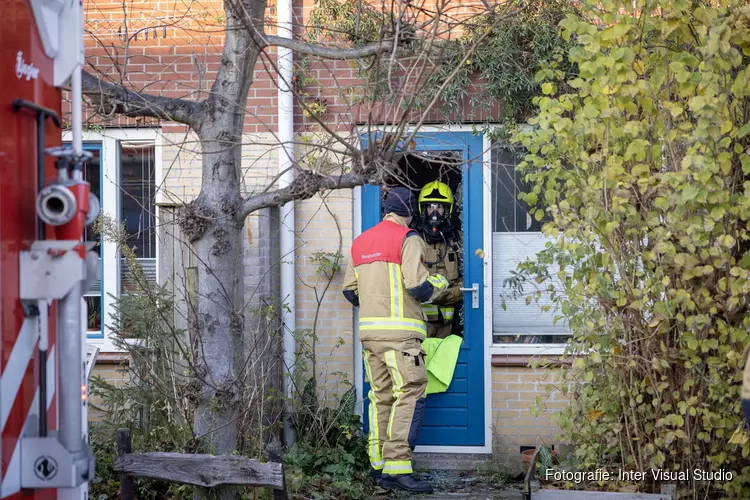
(387, 281)
(443, 255)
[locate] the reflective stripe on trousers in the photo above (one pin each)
(398, 380)
(373, 441)
(396, 467)
(398, 384)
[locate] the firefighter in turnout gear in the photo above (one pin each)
(443, 255)
(745, 395)
(387, 280)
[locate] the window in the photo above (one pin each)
(138, 207)
(122, 173)
(92, 173)
(516, 235)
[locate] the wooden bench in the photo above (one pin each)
(207, 471)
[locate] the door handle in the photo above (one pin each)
(474, 295)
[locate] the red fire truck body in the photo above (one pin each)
(38, 57)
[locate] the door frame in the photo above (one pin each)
(486, 303)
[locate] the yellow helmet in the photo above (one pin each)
(436, 192)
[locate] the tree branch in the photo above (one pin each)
(326, 52)
(116, 99)
(305, 185)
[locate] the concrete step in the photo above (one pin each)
(451, 461)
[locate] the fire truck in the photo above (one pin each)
(45, 266)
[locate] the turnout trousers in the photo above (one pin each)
(398, 380)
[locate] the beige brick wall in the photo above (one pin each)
(181, 164)
(514, 391)
(325, 225)
(112, 372)
(181, 167)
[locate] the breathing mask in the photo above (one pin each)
(435, 209)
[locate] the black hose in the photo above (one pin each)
(445, 254)
(42, 114)
(40, 167)
(42, 393)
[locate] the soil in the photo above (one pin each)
(454, 485)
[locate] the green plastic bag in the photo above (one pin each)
(442, 355)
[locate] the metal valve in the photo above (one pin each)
(67, 203)
(56, 205)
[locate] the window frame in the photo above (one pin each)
(543, 349)
(109, 141)
(90, 334)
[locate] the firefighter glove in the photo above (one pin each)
(438, 281)
(439, 284)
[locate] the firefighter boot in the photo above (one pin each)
(405, 482)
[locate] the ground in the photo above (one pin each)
(468, 485)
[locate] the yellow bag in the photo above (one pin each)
(440, 361)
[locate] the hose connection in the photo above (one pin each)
(68, 198)
(56, 205)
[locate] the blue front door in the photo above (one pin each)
(456, 417)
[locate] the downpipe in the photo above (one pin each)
(286, 213)
(357, 344)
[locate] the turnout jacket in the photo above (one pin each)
(445, 304)
(387, 279)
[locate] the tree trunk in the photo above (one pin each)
(214, 223)
(220, 286)
(220, 326)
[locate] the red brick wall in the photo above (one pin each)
(163, 48)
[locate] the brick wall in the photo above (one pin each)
(111, 368)
(325, 225)
(176, 53)
(163, 48)
(515, 390)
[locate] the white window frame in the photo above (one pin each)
(505, 349)
(109, 138)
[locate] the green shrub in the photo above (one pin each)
(106, 483)
(158, 399)
(644, 166)
(329, 459)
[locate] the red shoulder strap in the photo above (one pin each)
(380, 243)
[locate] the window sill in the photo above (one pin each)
(528, 349)
(111, 358)
(521, 355)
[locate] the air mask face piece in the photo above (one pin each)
(435, 207)
(435, 220)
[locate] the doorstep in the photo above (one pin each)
(451, 461)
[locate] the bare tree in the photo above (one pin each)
(403, 55)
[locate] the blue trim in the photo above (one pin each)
(371, 200)
(456, 417)
(97, 146)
